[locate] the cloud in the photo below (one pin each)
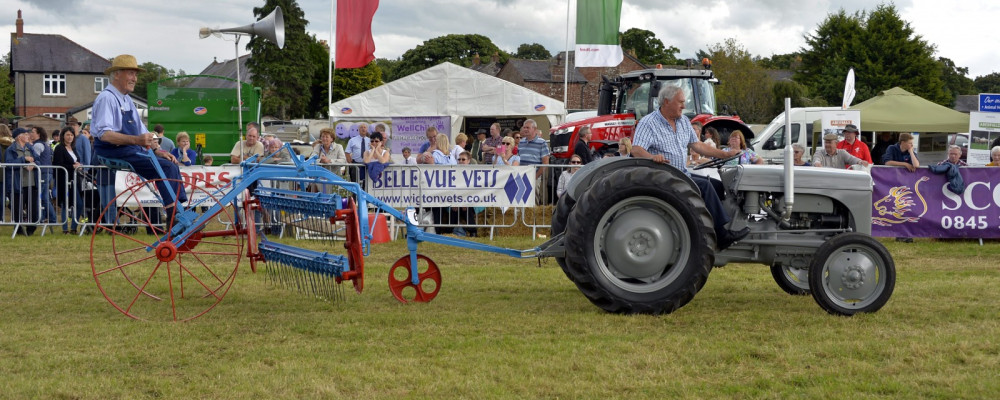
(165, 32)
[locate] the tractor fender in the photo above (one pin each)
(588, 174)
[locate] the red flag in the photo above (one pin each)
(355, 46)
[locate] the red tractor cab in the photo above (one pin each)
(625, 99)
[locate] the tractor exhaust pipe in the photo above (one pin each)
(789, 164)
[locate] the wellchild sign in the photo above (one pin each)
(919, 204)
(403, 186)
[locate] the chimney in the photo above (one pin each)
(495, 58)
(558, 70)
(20, 25)
(475, 59)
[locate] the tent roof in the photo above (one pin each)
(896, 110)
(447, 89)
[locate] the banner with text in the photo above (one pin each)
(412, 131)
(835, 121)
(919, 204)
(207, 178)
(984, 130)
(455, 185)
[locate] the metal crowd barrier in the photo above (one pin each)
(88, 185)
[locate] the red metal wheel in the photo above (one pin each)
(144, 279)
(352, 243)
(401, 282)
(250, 208)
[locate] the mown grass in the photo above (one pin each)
(502, 328)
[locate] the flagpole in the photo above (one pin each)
(329, 73)
(566, 60)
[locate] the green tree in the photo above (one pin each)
(988, 83)
(456, 49)
(153, 72)
(882, 49)
(791, 61)
(319, 59)
(956, 80)
(745, 87)
(648, 49)
(349, 82)
(388, 68)
(282, 75)
(532, 51)
(6, 88)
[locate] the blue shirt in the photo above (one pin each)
(441, 158)
(895, 153)
(532, 151)
(107, 112)
(654, 134)
(83, 149)
(354, 148)
(192, 155)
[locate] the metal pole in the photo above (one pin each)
(566, 60)
(239, 94)
(329, 73)
(789, 163)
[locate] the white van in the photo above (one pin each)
(770, 142)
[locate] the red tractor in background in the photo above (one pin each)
(625, 99)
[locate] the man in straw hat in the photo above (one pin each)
(120, 134)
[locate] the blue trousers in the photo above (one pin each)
(143, 166)
(712, 202)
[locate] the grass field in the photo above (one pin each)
(502, 328)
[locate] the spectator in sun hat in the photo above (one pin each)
(853, 146)
(832, 157)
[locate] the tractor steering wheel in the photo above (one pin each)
(719, 162)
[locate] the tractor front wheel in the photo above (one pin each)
(852, 273)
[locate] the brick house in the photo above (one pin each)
(52, 74)
(546, 77)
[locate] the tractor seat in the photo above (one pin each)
(115, 163)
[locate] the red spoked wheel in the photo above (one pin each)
(401, 284)
(355, 255)
(151, 280)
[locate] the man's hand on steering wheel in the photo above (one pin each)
(719, 162)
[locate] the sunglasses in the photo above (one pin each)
(463, 159)
(575, 162)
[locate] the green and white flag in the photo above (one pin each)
(597, 33)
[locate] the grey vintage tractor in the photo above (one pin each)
(635, 236)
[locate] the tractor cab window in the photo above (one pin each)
(637, 99)
(706, 96)
(690, 97)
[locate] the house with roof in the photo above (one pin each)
(52, 74)
(547, 77)
(226, 69)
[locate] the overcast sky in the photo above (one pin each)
(166, 32)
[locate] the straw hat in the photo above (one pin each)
(124, 61)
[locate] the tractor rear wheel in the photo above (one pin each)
(640, 240)
(563, 207)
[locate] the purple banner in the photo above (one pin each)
(919, 204)
(412, 131)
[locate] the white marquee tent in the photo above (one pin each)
(450, 90)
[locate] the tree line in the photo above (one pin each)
(883, 49)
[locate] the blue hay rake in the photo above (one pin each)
(183, 266)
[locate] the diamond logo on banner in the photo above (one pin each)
(527, 188)
(518, 188)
